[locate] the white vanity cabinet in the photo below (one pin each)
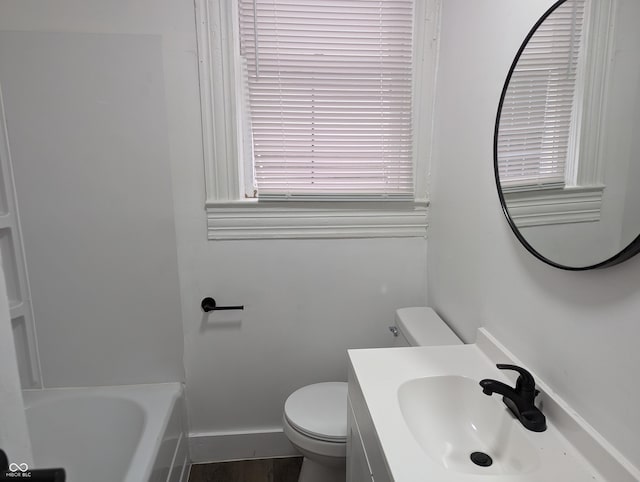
(358, 468)
(365, 460)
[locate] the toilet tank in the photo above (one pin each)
(421, 326)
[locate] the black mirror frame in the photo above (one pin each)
(631, 250)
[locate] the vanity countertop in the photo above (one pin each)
(379, 373)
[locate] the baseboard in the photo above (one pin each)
(225, 446)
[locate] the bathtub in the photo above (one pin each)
(110, 434)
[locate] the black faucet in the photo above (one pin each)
(519, 399)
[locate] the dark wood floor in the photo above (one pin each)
(262, 470)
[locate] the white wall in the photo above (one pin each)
(581, 244)
(87, 123)
(577, 330)
(306, 301)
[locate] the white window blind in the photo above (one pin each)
(330, 94)
(536, 118)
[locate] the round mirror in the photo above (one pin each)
(567, 136)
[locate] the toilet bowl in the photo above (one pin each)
(315, 422)
(315, 416)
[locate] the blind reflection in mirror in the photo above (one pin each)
(566, 148)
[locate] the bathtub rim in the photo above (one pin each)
(158, 401)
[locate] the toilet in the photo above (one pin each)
(315, 416)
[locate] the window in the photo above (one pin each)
(329, 96)
(537, 122)
(548, 153)
(306, 100)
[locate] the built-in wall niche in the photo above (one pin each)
(8, 256)
(21, 340)
(4, 205)
(15, 268)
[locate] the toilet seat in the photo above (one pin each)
(319, 411)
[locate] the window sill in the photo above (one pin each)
(283, 220)
(555, 206)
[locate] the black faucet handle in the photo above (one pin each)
(525, 385)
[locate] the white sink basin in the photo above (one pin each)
(451, 418)
(427, 414)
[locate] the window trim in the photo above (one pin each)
(545, 207)
(229, 216)
(595, 72)
(327, 220)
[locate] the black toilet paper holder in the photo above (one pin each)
(209, 304)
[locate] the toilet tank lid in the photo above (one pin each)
(422, 326)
